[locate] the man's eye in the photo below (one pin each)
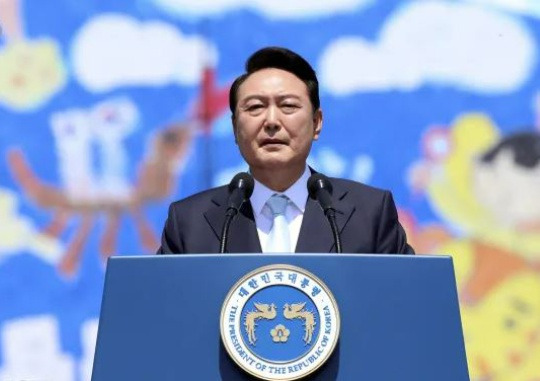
(254, 107)
(289, 106)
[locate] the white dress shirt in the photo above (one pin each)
(294, 212)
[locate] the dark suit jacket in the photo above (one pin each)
(366, 217)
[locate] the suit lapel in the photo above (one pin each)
(315, 232)
(243, 237)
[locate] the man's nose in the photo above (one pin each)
(272, 117)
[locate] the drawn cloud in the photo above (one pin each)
(459, 45)
(290, 9)
(31, 350)
(115, 50)
(525, 7)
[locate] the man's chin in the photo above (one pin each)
(274, 163)
(276, 160)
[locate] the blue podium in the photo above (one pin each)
(399, 317)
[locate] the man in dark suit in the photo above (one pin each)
(276, 116)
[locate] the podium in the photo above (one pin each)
(399, 317)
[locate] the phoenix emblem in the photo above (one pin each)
(297, 311)
(264, 311)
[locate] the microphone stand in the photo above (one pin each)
(240, 190)
(231, 212)
(331, 215)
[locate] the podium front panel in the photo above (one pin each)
(399, 317)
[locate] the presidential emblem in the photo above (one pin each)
(279, 322)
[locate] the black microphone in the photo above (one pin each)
(240, 190)
(320, 189)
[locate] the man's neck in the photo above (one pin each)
(278, 180)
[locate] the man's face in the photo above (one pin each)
(275, 124)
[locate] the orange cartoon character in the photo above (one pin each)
(483, 187)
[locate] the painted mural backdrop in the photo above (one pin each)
(111, 110)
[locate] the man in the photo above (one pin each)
(276, 116)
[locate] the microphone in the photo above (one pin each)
(240, 190)
(320, 189)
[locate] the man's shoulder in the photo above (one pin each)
(357, 189)
(204, 198)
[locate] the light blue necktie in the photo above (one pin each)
(279, 240)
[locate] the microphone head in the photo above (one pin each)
(244, 182)
(317, 182)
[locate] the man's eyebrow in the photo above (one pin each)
(285, 96)
(250, 97)
(260, 97)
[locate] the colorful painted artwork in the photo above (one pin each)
(109, 111)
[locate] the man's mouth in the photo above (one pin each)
(266, 142)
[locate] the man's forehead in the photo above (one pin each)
(272, 79)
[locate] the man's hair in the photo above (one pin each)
(278, 58)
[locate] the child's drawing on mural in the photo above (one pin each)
(77, 132)
(112, 123)
(92, 184)
(484, 187)
(503, 330)
(19, 233)
(508, 178)
(73, 138)
(31, 71)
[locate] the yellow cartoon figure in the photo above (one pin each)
(484, 188)
(31, 71)
(503, 329)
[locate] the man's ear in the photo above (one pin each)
(317, 123)
(233, 121)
